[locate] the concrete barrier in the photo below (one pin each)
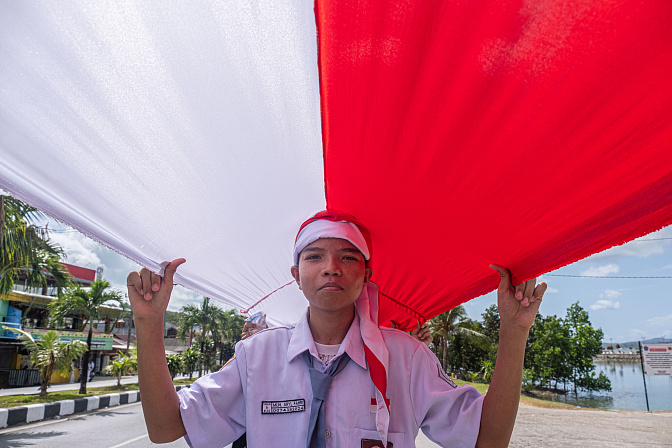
(35, 412)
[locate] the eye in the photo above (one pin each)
(350, 258)
(312, 257)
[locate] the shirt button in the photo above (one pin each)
(327, 433)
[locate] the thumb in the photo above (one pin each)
(504, 275)
(169, 272)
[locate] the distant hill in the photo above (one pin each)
(633, 344)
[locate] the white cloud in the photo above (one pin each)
(182, 296)
(636, 333)
(605, 305)
(79, 250)
(601, 271)
(610, 294)
(660, 321)
(549, 289)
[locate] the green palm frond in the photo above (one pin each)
(25, 247)
(25, 338)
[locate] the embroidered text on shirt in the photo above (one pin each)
(283, 407)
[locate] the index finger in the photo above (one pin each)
(133, 280)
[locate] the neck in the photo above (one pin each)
(330, 328)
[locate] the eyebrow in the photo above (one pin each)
(345, 249)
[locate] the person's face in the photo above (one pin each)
(331, 274)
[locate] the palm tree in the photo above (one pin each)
(87, 302)
(190, 358)
(25, 247)
(121, 365)
(49, 354)
(446, 325)
(209, 319)
(232, 327)
(175, 364)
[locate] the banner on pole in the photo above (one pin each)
(657, 359)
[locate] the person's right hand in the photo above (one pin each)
(149, 293)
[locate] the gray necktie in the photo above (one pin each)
(320, 383)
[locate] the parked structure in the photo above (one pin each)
(29, 311)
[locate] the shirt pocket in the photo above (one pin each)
(396, 438)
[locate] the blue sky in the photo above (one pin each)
(625, 308)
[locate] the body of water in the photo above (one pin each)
(627, 390)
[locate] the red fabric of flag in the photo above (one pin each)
(525, 133)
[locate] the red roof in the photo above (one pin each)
(79, 273)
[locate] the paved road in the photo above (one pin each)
(117, 427)
(124, 426)
(121, 426)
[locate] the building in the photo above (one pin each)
(29, 312)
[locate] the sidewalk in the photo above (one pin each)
(98, 381)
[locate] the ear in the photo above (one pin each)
(295, 274)
(367, 274)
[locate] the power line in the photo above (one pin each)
(650, 239)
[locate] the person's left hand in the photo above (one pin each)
(518, 306)
(249, 329)
(422, 334)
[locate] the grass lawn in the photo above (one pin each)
(538, 402)
(9, 401)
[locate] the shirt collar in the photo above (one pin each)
(302, 340)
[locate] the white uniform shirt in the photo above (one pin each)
(265, 390)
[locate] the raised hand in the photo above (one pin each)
(422, 334)
(518, 305)
(149, 293)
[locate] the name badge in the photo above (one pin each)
(370, 443)
(283, 407)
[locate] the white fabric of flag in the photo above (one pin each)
(169, 129)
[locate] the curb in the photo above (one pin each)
(36, 412)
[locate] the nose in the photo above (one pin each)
(331, 267)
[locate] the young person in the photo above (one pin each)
(335, 378)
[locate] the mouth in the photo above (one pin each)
(331, 287)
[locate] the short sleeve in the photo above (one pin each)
(213, 409)
(448, 414)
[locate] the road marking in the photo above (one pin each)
(130, 441)
(53, 420)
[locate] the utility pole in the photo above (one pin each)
(128, 335)
(641, 360)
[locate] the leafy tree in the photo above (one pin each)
(190, 359)
(585, 343)
(48, 354)
(26, 248)
(488, 369)
(547, 355)
(122, 365)
(468, 348)
(491, 322)
(446, 326)
(174, 365)
(210, 319)
(232, 328)
(87, 302)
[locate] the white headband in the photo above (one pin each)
(322, 228)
